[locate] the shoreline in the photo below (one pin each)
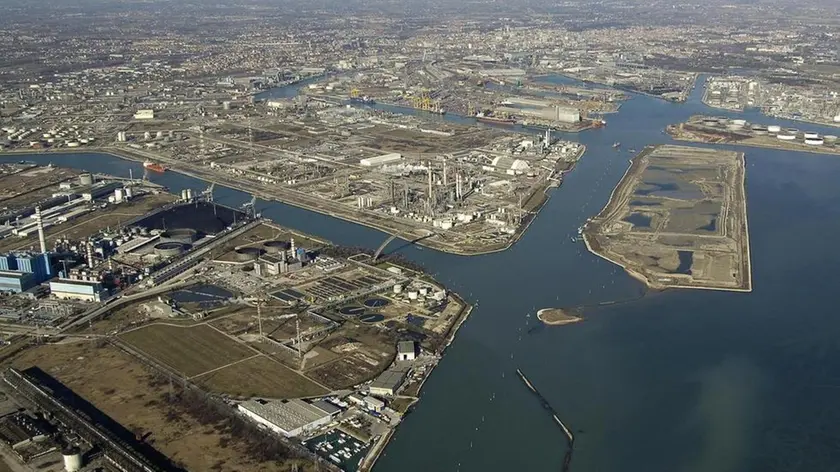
(804, 148)
(129, 156)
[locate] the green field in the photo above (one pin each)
(188, 350)
(260, 377)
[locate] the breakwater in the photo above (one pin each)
(570, 438)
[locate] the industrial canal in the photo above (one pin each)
(677, 380)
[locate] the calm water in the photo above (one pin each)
(687, 381)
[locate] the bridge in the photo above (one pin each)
(383, 246)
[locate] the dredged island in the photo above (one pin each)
(678, 219)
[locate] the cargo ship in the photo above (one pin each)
(494, 120)
(154, 167)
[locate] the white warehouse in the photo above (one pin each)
(289, 417)
(380, 160)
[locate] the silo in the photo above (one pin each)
(275, 247)
(72, 459)
(170, 248)
(184, 194)
(119, 195)
(412, 295)
(129, 193)
(245, 254)
(190, 194)
(86, 179)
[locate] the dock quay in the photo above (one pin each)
(570, 438)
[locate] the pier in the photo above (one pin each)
(570, 438)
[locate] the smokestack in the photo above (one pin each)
(41, 238)
(430, 180)
(445, 181)
(89, 254)
(292, 244)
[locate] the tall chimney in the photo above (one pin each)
(41, 238)
(89, 254)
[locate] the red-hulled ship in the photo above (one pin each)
(154, 167)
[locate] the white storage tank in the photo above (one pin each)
(786, 137)
(147, 135)
(811, 135)
(398, 288)
(424, 291)
(830, 138)
(412, 295)
(814, 142)
(72, 459)
(119, 195)
(774, 128)
(129, 193)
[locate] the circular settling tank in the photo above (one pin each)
(375, 302)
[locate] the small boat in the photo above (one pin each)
(616, 145)
(154, 167)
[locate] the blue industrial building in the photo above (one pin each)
(36, 264)
(20, 272)
(16, 282)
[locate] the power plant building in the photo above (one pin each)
(16, 282)
(84, 290)
(289, 417)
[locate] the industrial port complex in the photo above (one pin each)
(192, 315)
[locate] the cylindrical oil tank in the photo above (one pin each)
(786, 137)
(739, 122)
(179, 235)
(412, 295)
(814, 142)
(424, 291)
(184, 194)
(275, 247)
(774, 128)
(170, 248)
(710, 121)
(734, 126)
(830, 138)
(190, 194)
(72, 459)
(245, 254)
(398, 288)
(86, 179)
(811, 136)
(723, 121)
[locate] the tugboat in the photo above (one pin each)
(154, 167)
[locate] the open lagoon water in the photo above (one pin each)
(687, 381)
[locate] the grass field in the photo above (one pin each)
(123, 388)
(260, 377)
(190, 351)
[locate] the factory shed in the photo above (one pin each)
(389, 381)
(406, 351)
(288, 417)
(78, 290)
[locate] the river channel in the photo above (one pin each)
(687, 381)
